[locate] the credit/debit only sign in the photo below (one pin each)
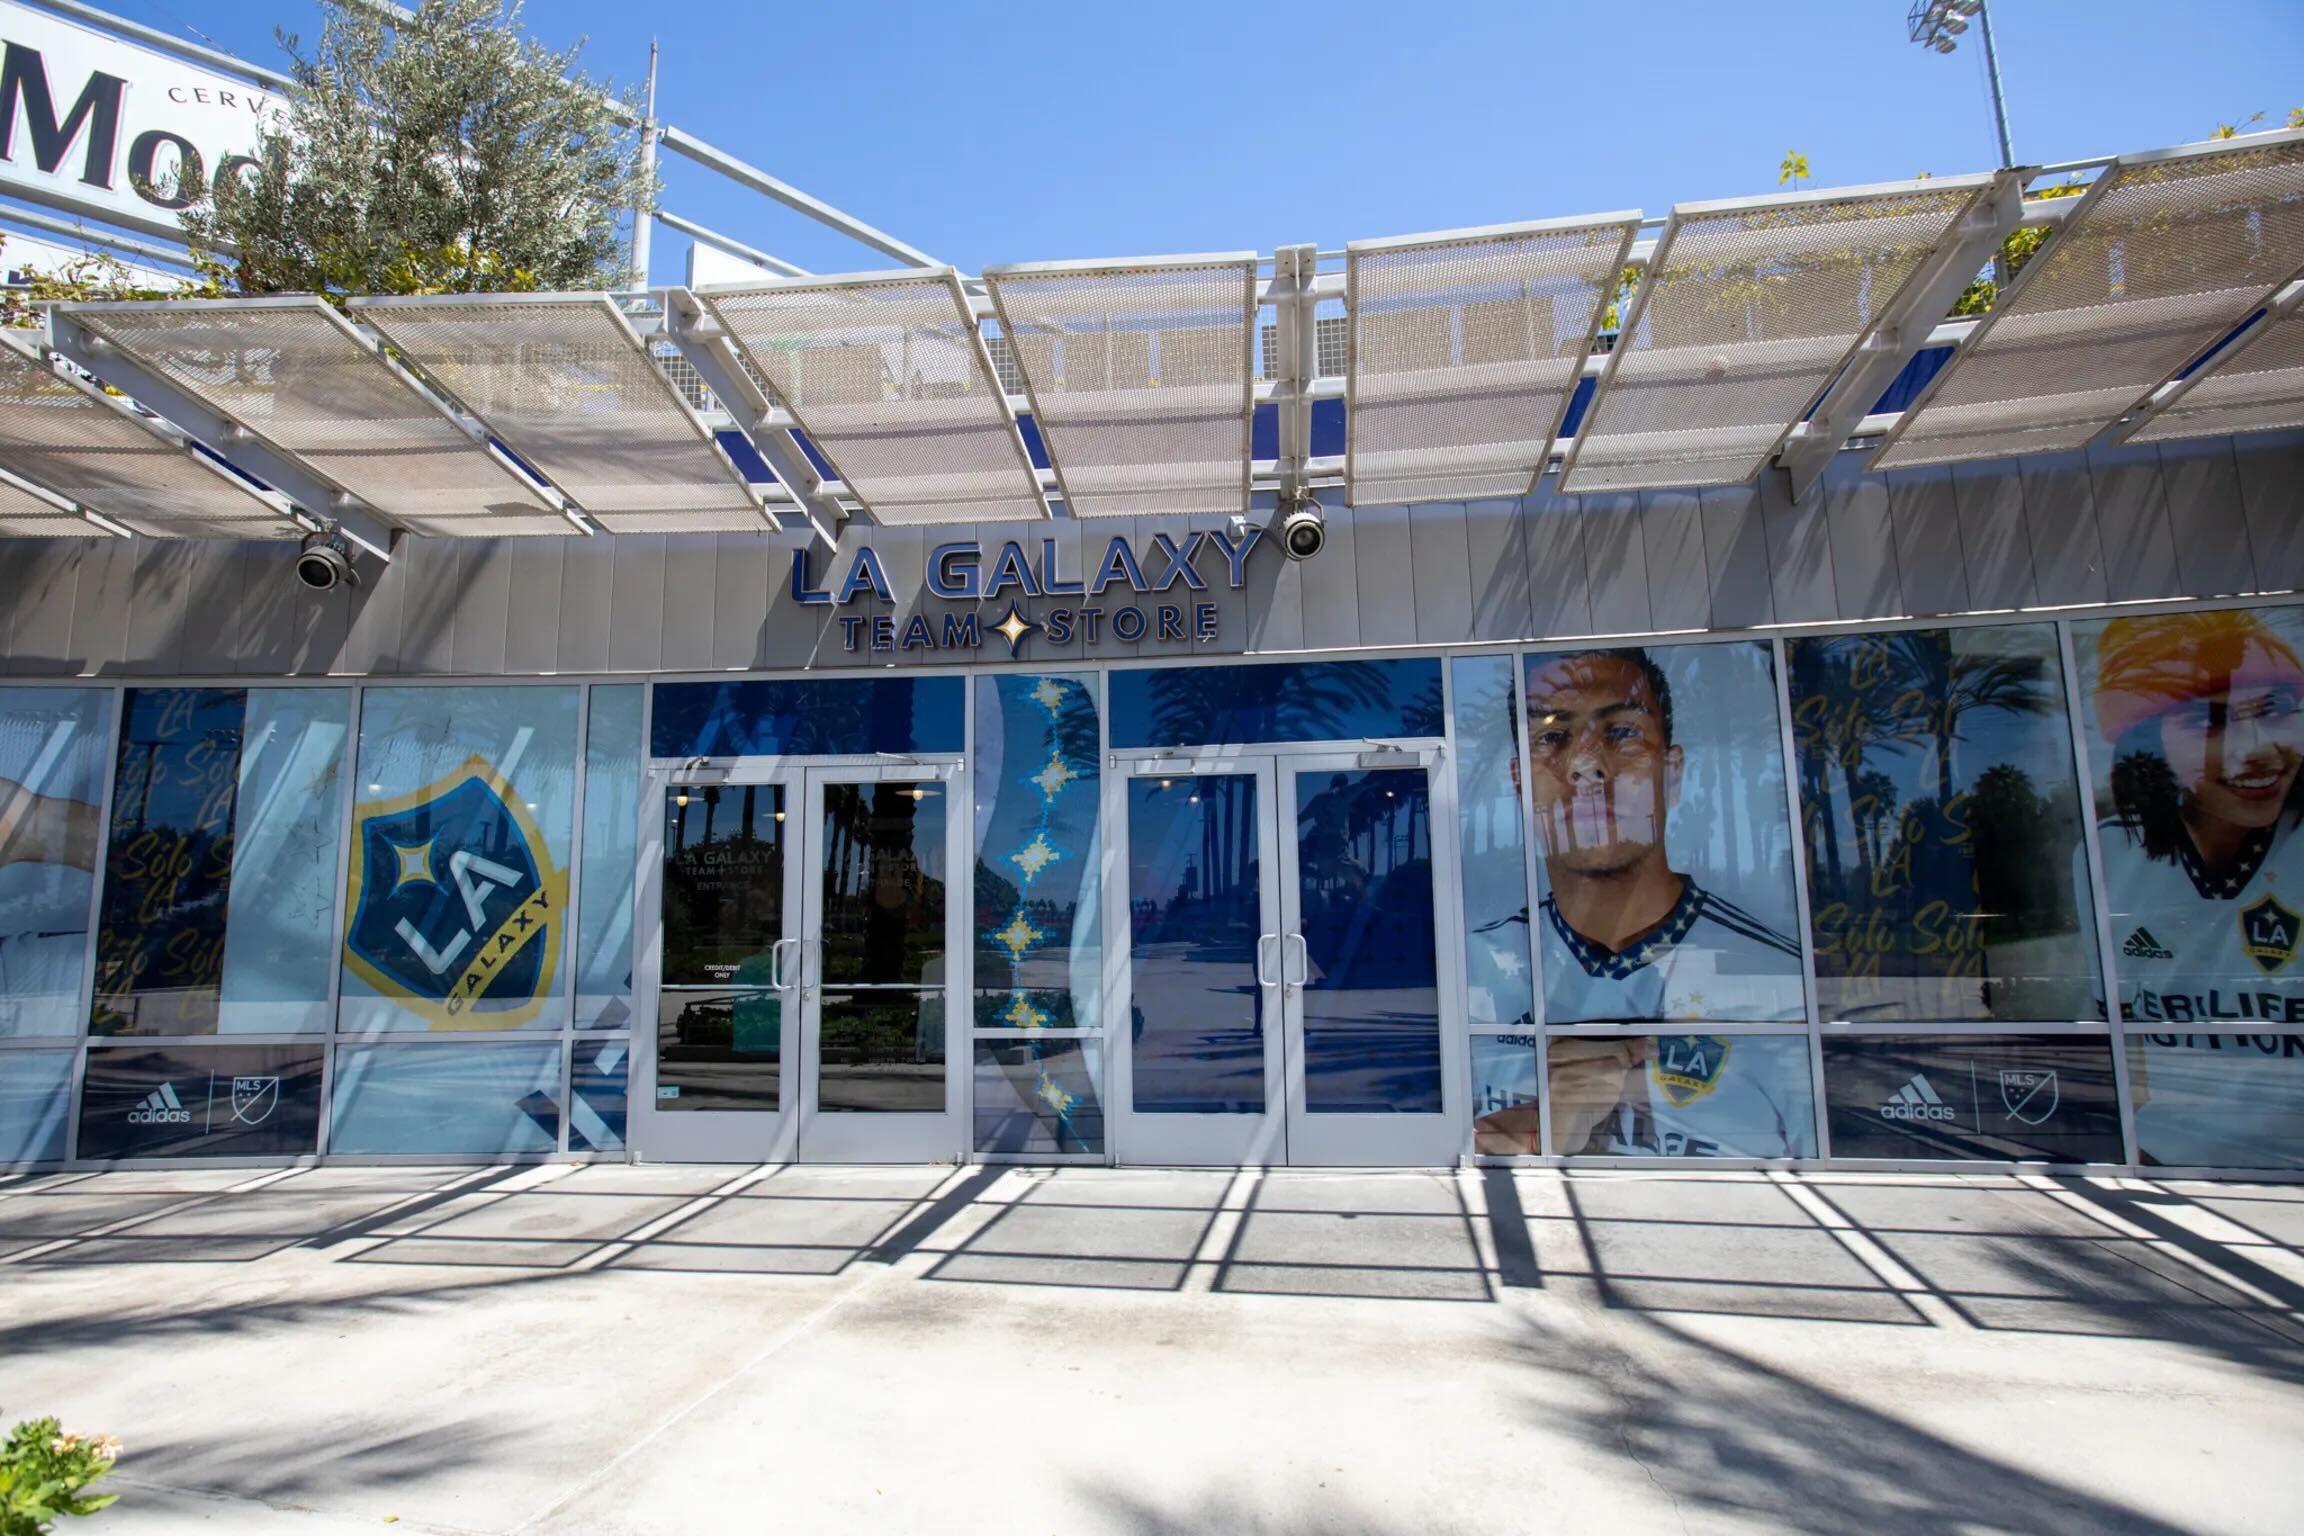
(99, 127)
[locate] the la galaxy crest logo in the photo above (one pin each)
(1687, 1067)
(455, 903)
(2268, 933)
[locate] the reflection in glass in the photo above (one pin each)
(35, 1096)
(1194, 911)
(1657, 780)
(1275, 701)
(284, 877)
(2195, 729)
(2217, 1101)
(719, 1048)
(881, 1051)
(720, 1024)
(1038, 1096)
(1504, 1114)
(2047, 1097)
(1491, 843)
(611, 835)
(1682, 1096)
(52, 743)
(1038, 929)
(1941, 826)
(597, 1075)
(847, 717)
(883, 912)
(484, 1098)
(1371, 985)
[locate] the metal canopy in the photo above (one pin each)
(2256, 385)
(1745, 314)
(565, 382)
(2160, 258)
(888, 376)
(73, 440)
(298, 376)
(25, 514)
(1465, 351)
(1141, 376)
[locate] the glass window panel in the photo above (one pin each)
(844, 717)
(719, 1048)
(220, 876)
(1504, 1095)
(1195, 908)
(35, 1097)
(1371, 993)
(1275, 701)
(883, 913)
(201, 1101)
(1941, 826)
(2047, 1097)
(597, 1076)
(1656, 777)
(1682, 1096)
(2194, 724)
(52, 747)
(2217, 1101)
(461, 828)
(881, 1052)
(1039, 952)
(1039, 1097)
(1498, 975)
(720, 1027)
(484, 1098)
(610, 860)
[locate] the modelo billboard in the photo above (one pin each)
(98, 126)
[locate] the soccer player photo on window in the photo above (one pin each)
(1656, 780)
(2196, 735)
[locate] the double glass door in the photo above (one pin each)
(1283, 984)
(804, 969)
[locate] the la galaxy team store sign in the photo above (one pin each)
(1154, 597)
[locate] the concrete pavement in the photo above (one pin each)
(607, 1350)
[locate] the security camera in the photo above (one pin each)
(1302, 532)
(325, 562)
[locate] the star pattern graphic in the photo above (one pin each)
(1034, 857)
(1020, 1014)
(1018, 936)
(1014, 628)
(1054, 777)
(1049, 694)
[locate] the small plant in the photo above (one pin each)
(45, 1474)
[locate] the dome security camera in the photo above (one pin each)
(1302, 532)
(325, 562)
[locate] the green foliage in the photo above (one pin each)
(1792, 169)
(2019, 248)
(99, 276)
(45, 1474)
(446, 153)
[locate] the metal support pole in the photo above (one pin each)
(1999, 102)
(642, 226)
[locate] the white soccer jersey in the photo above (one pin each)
(2195, 947)
(1698, 1096)
(1708, 959)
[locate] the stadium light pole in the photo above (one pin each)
(1938, 24)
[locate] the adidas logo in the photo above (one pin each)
(1916, 1100)
(161, 1107)
(2142, 946)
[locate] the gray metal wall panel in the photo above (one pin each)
(2060, 515)
(156, 607)
(532, 632)
(1800, 554)
(689, 589)
(432, 570)
(2132, 520)
(635, 609)
(1231, 607)
(1736, 556)
(479, 645)
(2272, 496)
(1156, 566)
(739, 598)
(1616, 563)
(372, 627)
(2202, 483)
(100, 604)
(1330, 589)
(42, 587)
(212, 610)
(1993, 538)
(1866, 578)
(1559, 588)
(788, 629)
(279, 615)
(1679, 575)
(1443, 570)
(1275, 598)
(1384, 547)
(1926, 520)
(1496, 550)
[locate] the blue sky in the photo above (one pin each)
(1049, 129)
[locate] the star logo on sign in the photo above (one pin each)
(1014, 628)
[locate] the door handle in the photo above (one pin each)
(1303, 960)
(1265, 978)
(776, 977)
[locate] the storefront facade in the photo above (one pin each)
(1664, 824)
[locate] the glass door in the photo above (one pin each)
(878, 978)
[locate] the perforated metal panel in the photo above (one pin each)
(2260, 388)
(297, 375)
(1140, 376)
(565, 383)
(25, 516)
(888, 377)
(2164, 255)
(1465, 350)
(68, 438)
(1746, 312)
